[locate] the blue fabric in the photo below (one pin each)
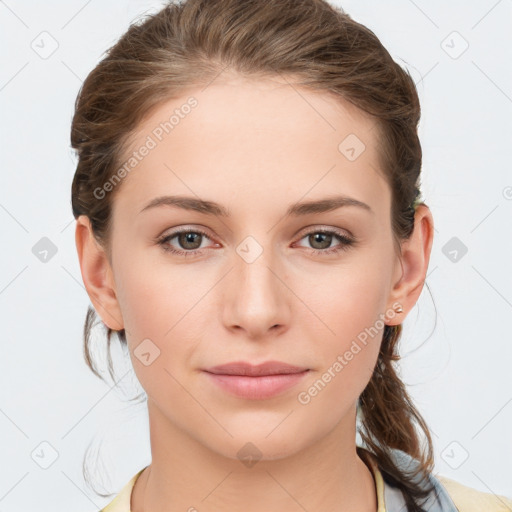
(394, 499)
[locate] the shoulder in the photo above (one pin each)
(451, 495)
(467, 499)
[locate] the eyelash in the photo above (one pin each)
(345, 242)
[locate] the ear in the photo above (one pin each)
(412, 265)
(97, 275)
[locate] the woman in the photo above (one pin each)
(249, 224)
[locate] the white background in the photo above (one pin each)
(457, 347)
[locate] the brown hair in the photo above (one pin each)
(318, 45)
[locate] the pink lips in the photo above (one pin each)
(256, 382)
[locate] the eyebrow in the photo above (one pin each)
(295, 210)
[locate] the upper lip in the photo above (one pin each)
(266, 368)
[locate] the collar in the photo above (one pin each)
(391, 499)
(122, 502)
(370, 460)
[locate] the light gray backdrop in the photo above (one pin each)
(458, 369)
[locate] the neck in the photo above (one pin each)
(185, 475)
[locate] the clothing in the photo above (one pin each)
(453, 496)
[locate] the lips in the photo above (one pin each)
(256, 382)
(248, 370)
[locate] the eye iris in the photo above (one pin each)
(186, 238)
(324, 239)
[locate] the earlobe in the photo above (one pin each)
(97, 275)
(414, 264)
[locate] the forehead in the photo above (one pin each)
(256, 139)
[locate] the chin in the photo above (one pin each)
(254, 445)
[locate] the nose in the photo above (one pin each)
(256, 297)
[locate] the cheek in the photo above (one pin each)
(344, 302)
(153, 297)
(347, 324)
(348, 359)
(157, 303)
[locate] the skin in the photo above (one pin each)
(255, 146)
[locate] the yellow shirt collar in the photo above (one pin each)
(371, 462)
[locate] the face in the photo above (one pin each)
(248, 280)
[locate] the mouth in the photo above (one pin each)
(259, 382)
(243, 368)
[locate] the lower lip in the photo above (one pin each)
(257, 388)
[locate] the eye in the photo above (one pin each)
(322, 238)
(189, 239)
